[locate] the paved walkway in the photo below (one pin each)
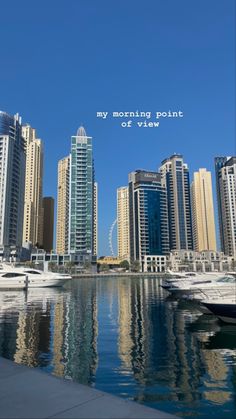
(30, 393)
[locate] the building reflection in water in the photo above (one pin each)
(151, 348)
(52, 329)
(81, 329)
(11, 303)
(157, 345)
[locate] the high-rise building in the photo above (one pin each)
(219, 163)
(148, 215)
(203, 220)
(81, 230)
(48, 223)
(123, 223)
(175, 178)
(33, 206)
(63, 205)
(226, 186)
(95, 219)
(12, 180)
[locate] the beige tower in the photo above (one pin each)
(123, 223)
(33, 208)
(95, 219)
(204, 236)
(63, 194)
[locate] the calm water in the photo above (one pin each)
(127, 337)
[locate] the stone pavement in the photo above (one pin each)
(30, 393)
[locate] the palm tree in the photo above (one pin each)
(135, 266)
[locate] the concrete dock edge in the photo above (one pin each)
(31, 393)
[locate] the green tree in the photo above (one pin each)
(30, 264)
(52, 266)
(104, 267)
(87, 265)
(135, 266)
(124, 264)
(233, 265)
(69, 266)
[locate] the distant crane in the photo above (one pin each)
(111, 237)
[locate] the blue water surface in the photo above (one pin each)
(128, 337)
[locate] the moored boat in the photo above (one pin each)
(13, 280)
(189, 277)
(224, 308)
(36, 278)
(201, 289)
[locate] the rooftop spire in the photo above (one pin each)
(81, 132)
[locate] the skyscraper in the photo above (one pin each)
(226, 186)
(95, 219)
(33, 206)
(123, 223)
(48, 223)
(175, 178)
(148, 215)
(63, 205)
(12, 180)
(219, 163)
(204, 237)
(81, 230)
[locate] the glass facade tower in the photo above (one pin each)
(226, 194)
(81, 234)
(148, 215)
(219, 163)
(175, 177)
(12, 180)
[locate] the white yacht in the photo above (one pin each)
(35, 278)
(177, 277)
(12, 279)
(200, 289)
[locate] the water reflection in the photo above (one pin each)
(128, 337)
(53, 329)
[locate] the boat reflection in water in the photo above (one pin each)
(125, 336)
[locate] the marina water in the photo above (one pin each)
(128, 337)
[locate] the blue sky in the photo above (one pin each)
(63, 61)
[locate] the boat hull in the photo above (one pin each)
(201, 292)
(14, 285)
(225, 312)
(43, 283)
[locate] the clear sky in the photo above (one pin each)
(62, 61)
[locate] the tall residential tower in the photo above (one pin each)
(175, 178)
(226, 187)
(48, 223)
(219, 163)
(63, 205)
(123, 223)
(81, 226)
(33, 206)
(95, 219)
(12, 180)
(148, 220)
(204, 237)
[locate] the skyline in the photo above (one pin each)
(180, 58)
(158, 171)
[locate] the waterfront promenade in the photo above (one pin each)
(120, 275)
(30, 393)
